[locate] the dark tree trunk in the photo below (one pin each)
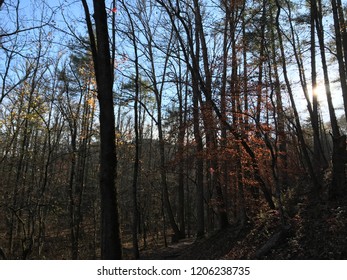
(197, 135)
(319, 160)
(339, 52)
(338, 158)
(338, 165)
(199, 168)
(136, 172)
(343, 31)
(110, 235)
(181, 136)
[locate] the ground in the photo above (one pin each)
(315, 229)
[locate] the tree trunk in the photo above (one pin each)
(207, 110)
(199, 168)
(110, 235)
(292, 100)
(136, 172)
(319, 160)
(340, 53)
(338, 180)
(181, 135)
(338, 187)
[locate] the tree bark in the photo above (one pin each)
(339, 52)
(338, 164)
(110, 235)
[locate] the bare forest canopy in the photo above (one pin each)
(127, 126)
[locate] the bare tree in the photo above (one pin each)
(339, 141)
(110, 227)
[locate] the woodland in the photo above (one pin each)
(163, 129)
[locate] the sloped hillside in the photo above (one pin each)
(317, 230)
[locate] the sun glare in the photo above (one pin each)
(319, 91)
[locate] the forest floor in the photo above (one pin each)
(314, 230)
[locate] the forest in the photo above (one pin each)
(162, 129)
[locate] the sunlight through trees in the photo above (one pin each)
(129, 125)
